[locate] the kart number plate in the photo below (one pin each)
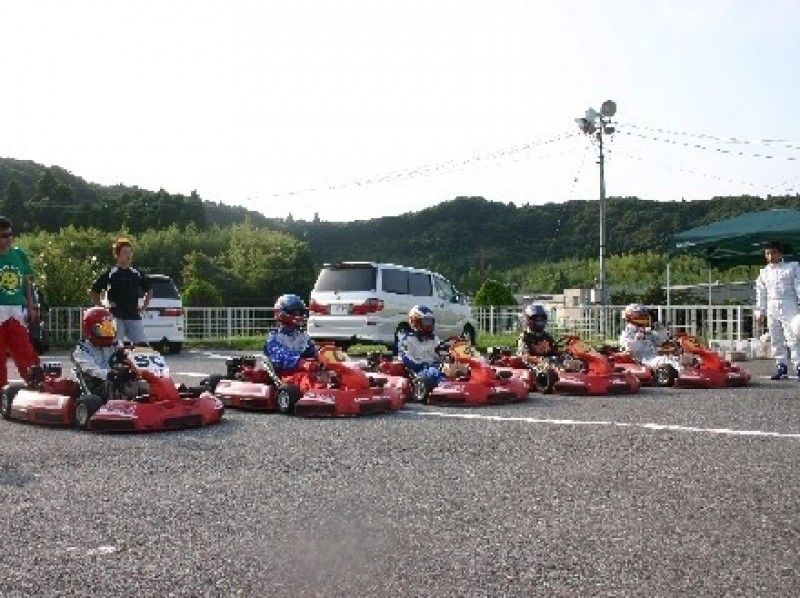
(340, 309)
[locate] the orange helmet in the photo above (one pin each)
(98, 326)
(638, 315)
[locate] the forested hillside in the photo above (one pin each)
(543, 247)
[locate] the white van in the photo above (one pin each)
(367, 301)
(163, 320)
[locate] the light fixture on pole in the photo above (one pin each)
(598, 124)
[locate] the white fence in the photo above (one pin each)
(720, 322)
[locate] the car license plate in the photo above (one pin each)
(340, 309)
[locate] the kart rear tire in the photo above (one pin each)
(287, 398)
(85, 407)
(665, 375)
(210, 383)
(9, 393)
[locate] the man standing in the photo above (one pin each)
(122, 284)
(15, 291)
(777, 295)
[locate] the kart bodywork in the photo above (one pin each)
(578, 370)
(142, 400)
(326, 386)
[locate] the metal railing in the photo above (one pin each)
(720, 322)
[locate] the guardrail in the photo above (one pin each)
(720, 322)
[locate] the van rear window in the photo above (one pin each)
(360, 278)
(164, 288)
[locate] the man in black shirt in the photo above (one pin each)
(122, 284)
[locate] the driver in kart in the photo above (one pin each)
(420, 349)
(92, 354)
(535, 341)
(642, 337)
(289, 344)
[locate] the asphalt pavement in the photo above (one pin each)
(667, 492)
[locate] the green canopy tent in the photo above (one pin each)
(737, 241)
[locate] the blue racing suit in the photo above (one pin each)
(418, 354)
(285, 348)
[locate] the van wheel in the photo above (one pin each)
(402, 330)
(469, 334)
(175, 348)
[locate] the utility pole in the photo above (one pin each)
(598, 124)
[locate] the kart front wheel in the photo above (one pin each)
(8, 399)
(546, 381)
(665, 375)
(85, 408)
(287, 398)
(420, 389)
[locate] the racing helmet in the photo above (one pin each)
(421, 320)
(535, 316)
(638, 315)
(99, 327)
(290, 310)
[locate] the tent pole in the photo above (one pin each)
(709, 305)
(668, 287)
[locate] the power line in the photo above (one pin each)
(725, 140)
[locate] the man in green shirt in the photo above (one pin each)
(15, 291)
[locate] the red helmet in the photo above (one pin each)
(98, 326)
(638, 315)
(421, 320)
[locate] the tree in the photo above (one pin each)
(494, 292)
(201, 293)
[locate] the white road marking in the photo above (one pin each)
(576, 422)
(100, 550)
(191, 374)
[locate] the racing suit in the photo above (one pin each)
(531, 342)
(93, 363)
(643, 343)
(418, 354)
(777, 294)
(285, 348)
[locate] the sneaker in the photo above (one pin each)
(781, 371)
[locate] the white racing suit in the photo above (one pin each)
(643, 343)
(93, 363)
(419, 355)
(777, 294)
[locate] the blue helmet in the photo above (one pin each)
(290, 310)
(535, 317)
(421, 320)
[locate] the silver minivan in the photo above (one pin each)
(368, 301)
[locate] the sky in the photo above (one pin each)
(358, 109)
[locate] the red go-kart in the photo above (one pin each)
(328, 385)
(578, 370)
(138, 400)
(469, 379)
(705, 368)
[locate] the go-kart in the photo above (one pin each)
(622, 360)
(328, 385)
(700, 367)
(468, 380)
(578, 369)
(136, 399)
(683, 362)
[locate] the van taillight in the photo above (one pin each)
(317, 308)
(370, 306)
(172, 311)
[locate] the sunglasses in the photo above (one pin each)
(6, 235)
